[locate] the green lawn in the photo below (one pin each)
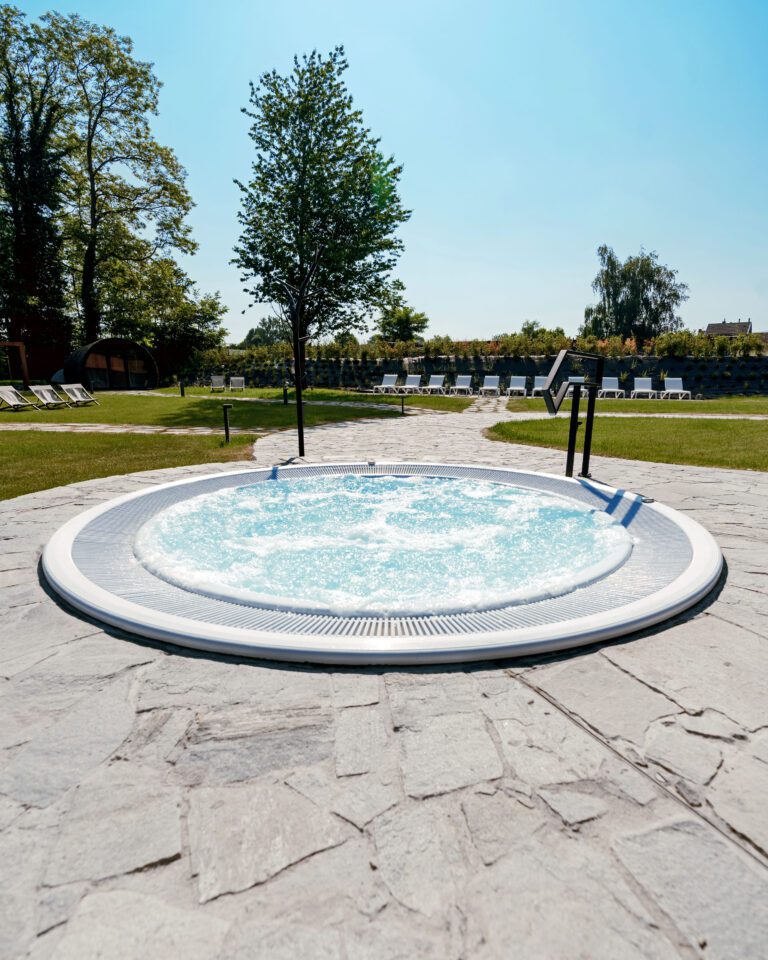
(192, 411)
(430, 402)
(709, 443)
(32, 461)
(745, 405)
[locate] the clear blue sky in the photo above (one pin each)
(530, 133)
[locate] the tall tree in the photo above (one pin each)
(638, 298)
(127, 196)
(399, 322)
(320, 212)
(267, 332)
(32, 108)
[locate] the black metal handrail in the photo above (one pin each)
(553, 403)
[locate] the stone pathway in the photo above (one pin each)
(607, 803)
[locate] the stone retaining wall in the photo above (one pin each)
(712, 377)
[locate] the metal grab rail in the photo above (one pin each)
(553, 403)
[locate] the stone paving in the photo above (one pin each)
(606, 803)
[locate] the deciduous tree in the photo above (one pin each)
(320, 212)
(638, 298)
(122, 184)
(33, 105)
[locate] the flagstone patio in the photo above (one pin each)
(605, 803)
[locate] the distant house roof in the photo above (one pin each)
(726, 329)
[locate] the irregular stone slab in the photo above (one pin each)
(123, 925)
(622, 779)
(156, 736)
(56, 905)
(712, 892)
(361, 739)
(446, 753)
(242, 835)
(280, 941)
(384, 938)
(739, 794)
(9, 811)
(610, 701)
(702, 663)
(35, 631)
(113, 827)
(503, 697)
(545, 748)
(242, 743)
(22, 854)
(572, 806)
(61, 755)
(694, 758)
(561, 899)
(419, 855)
(378, 939)
(711, 724)
(332, 887)
(357, 799)
(355, 689)
(498, 824)
(414, 696)
(84, 663)
(190, 681)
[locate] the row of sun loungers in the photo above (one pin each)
(518, 386)
(46, 398)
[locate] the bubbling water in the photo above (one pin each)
(381, 545)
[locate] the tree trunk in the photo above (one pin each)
(91, 317)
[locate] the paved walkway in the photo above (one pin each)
(608, 803)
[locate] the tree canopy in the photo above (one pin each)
(92, 206)
(320, 212)
(267, 333)
(32, 109)
(638, 298)
(400, 322)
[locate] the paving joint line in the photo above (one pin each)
(582, 725)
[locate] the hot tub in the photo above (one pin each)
(381, 562)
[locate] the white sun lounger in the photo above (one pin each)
(517, 385)
(571, 382)
(48, 397)
(236, 383)
(463, 385)
(13, 400)
(412, 384)
(77, 394)
(644, 388)
(387, 385)
(436, 384)
(538, 386)
(218, 383)
(674, 389)
(490, 385)
(610, 387)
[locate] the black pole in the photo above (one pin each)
(591, 397)
(297, 378)
(226, 407)
(573, 430)
(285, 392)
(402, 404)
(181, 387)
